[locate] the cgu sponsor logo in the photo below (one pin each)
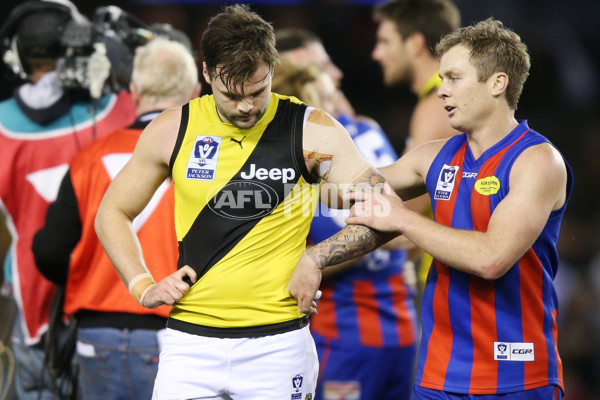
(284, 174)
(514, 351)
(522, 351)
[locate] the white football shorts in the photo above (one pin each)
(283, 366)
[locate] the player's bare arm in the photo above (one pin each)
(331, 155)
(125, 198)
(408, 174)
(515, 224)
(353, 240)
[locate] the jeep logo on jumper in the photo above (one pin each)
(243, 200)
(275, 174)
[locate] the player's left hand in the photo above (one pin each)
(304, 284)
(170, 290)
(379, 211)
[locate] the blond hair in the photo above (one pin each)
(494, 48)
(291, 80)
(164, 70)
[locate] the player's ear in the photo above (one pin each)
(135, 94)
(205, 73)
(416, 43)
(498, 83)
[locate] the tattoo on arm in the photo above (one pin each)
(369, 178)
(353, 240)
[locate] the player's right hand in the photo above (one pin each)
(170, 290)
(379, 211)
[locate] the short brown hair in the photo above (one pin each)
(236, 41)
(432, 18)
(294, 38)
(494, 48)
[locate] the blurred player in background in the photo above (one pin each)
(406, 35)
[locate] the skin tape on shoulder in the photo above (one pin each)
(329, 143)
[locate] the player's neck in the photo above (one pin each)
(423, 69)
(490, 132)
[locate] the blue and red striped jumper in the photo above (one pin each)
(489, 337)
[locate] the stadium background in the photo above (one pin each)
(561, 100)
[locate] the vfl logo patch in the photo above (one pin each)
(487, 186)
(297, 382)
(203, 158)
(501, 354)
(445, 183)
(297, 387)
(514, 351)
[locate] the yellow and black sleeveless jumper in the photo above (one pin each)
(244, 201)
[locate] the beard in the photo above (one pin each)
(242, 121)
(398, 78)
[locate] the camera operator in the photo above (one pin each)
(117, 339)
(41, 128)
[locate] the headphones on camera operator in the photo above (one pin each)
(88, 54)
(40, 42)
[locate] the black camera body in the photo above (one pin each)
(92, 55)
(113, 34)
